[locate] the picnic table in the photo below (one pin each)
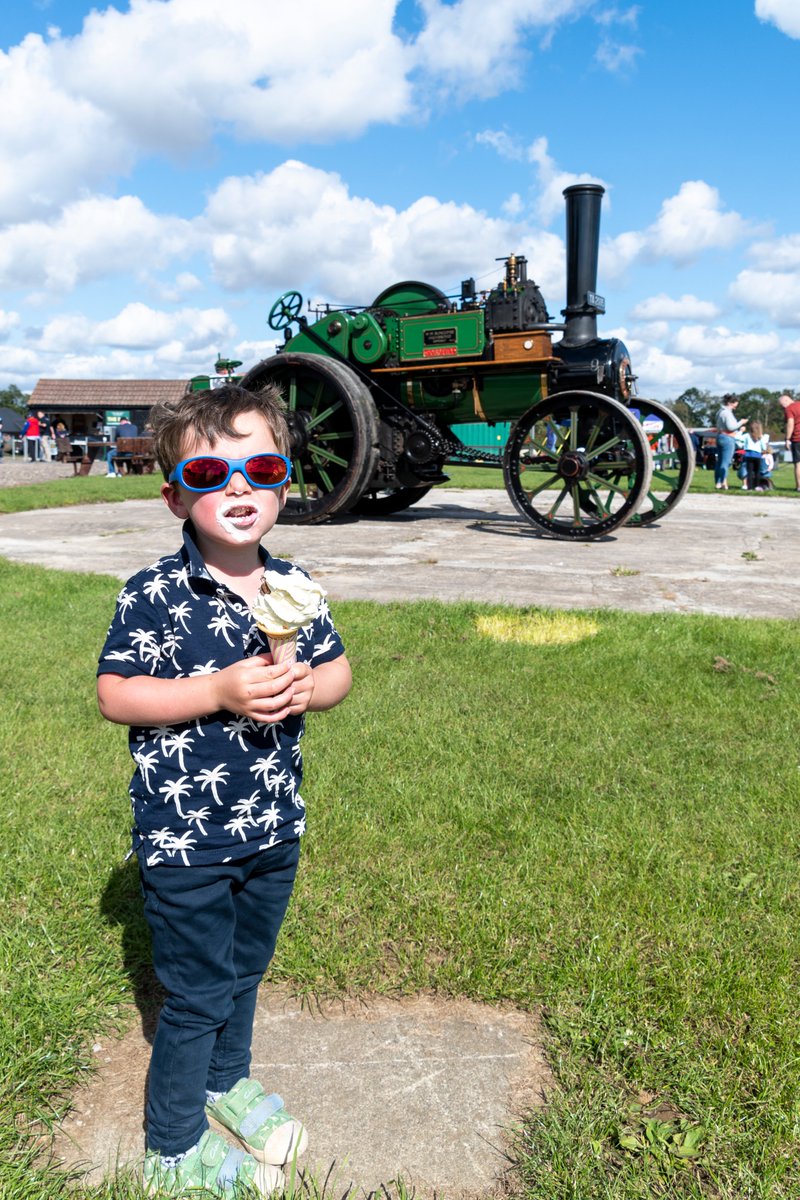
(81, 452)
(135, 454)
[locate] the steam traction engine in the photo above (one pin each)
(374, 395)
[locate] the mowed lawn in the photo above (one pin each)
(592, 815)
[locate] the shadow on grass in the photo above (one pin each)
(121, 904)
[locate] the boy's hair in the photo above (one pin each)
(209, 415)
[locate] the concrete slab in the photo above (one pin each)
(723, 554)
(423, 1088)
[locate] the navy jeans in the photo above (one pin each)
(213, 932)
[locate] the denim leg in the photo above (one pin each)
(190, 912)
(260, 902)
(725, 448)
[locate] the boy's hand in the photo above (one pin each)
(256, 688)
(303, 688)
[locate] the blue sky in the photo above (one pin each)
(171, 166)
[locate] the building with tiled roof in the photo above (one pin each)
(86, 403)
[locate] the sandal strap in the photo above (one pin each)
(262, 1112)
(231, 1167)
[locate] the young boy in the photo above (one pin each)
(215, 729)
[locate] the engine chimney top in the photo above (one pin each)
(583, 242)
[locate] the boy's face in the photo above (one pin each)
(238, 514)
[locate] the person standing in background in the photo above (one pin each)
(791, 412)
(728, 429)
(46, 432)
(30, 432)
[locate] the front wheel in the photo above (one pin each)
(577, 465)
(333, 426)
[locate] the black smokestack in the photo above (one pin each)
(583, 243)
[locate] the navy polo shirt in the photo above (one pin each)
(223, 786)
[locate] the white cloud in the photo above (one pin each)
(9, 321)
(617, 57)
(300, 223)
(137, 327)
(774, 293)
(91, 239)
(779, 254)
(551, 179)
(164, 76)
(704, 345)
(478, 54)
(668, 308)
(784, 14)
(691, 222)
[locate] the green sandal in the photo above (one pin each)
(259, 1123)
(214, 1167)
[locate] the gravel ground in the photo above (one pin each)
(19, 470)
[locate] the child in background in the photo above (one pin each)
(756, 445)
(215, 729)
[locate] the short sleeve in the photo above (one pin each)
(134, 642)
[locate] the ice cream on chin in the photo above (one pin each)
(284, 604)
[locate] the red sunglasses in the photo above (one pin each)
(210, 472)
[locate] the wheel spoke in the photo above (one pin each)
(541, 487)
(604, 481)
(318, 418)
(300, 479)
(321, 454)
(573, 429)
(558, 503)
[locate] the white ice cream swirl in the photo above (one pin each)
(291, 602)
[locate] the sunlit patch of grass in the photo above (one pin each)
(536, 628)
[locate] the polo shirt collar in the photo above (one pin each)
(194, 560)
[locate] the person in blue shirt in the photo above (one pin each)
(215, 731)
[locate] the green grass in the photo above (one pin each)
(79, 489)
(604, 827)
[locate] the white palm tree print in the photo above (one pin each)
(125, 600)
(175, 790)
(180, 844)
(263, 766)
(211, 777)
(178, 744)
(239, 825)
(196, 816)
(236, 728)
(245, 808)
(181, 613)
(222, 624)
(146, 762)
(156, 588)
(269, 817)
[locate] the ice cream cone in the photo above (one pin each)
(283, 649)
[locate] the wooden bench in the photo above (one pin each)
(66, 453)
(135, 455)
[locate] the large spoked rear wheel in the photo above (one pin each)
(577, 465)
(333, 425)
(673, 461)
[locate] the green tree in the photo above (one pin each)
(695, 408)
(14, 397)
